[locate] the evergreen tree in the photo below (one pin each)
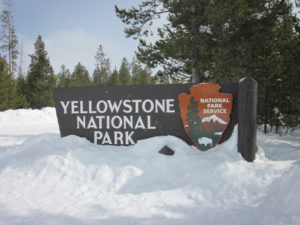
(80, 77)
(102, 71)
(7, 87)
(124, 73)
(276, 70)
(224, 41)
(64, 77)
(114, 79)
(98, 79)
(8, 37)
(193, 119)
(203, 38)
(161, 78)
(140, 75)
(21, 85)
(185, 43)
(21, 93)
(40, 78)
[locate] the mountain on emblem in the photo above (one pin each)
(205, 114)
(213, 118)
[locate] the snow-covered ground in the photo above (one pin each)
(45, 179)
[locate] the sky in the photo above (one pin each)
(73, 30)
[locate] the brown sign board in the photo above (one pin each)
(122, 115)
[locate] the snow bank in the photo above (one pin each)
(53, 180)
(28, 121)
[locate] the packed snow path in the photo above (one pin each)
(45, 179)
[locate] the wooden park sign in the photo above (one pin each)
(200, 114)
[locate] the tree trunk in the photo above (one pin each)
(195, 76)
(266, 109)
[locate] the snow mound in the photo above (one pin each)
(28, 121)
(27, 116)
(45, 179)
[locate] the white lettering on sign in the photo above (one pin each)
(106, 139)
(82, 111)
(80, 122)
(114, 107)
(91, 111)
(149, 126)
(214, 105)
(101, 106)
(74, 107)
(65, 106)
(214, 111)
(115, 121)
(148, 106)
(170, 106)
(213, 100)
(136, 102)
(127, 106)
(121, 106)
(92, 124)
(119, 138)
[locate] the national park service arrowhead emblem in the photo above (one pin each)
(205, 114)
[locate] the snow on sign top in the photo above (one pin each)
(205, 114)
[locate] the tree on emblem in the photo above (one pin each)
(193, 119)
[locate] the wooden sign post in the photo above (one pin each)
(247, 105)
